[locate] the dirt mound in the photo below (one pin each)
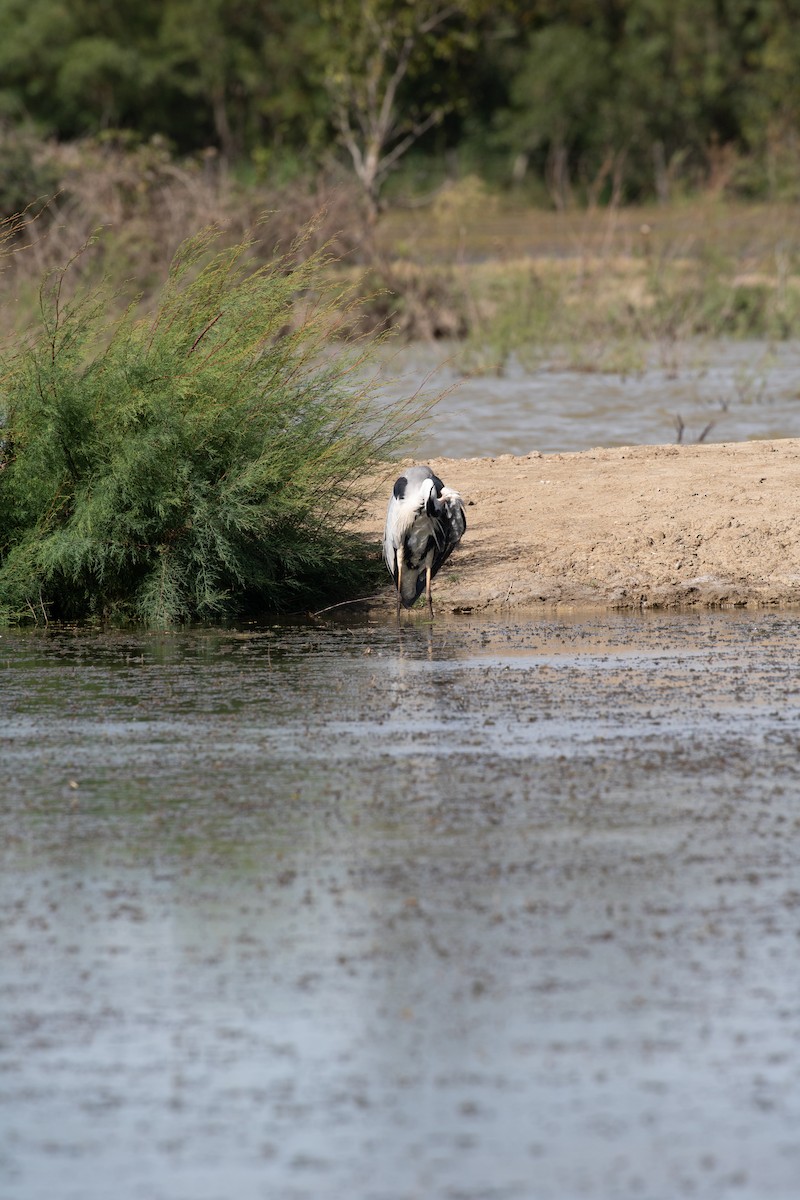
(633, 527)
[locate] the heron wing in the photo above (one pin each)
(452, 522)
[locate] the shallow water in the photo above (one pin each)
(744, 390)
(488, 910)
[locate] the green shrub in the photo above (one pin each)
(198, 463)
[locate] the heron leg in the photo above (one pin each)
(428, 595)
(398, 561)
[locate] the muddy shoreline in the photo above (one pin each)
(629, 528)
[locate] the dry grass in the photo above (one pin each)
(501, 277)
(595, 282)
(505, 230)
(145, 205)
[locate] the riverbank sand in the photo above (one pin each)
(628, 528)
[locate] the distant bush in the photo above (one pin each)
(198, 463)
(27, 170)
(148, 202)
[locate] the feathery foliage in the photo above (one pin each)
(198, 463)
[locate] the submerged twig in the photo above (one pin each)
(342, 603)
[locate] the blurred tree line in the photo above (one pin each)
(582, 99)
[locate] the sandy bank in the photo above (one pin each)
(643, 526)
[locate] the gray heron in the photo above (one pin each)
(425, 522)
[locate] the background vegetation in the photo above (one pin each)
(418, 126)
(568, 98)
(574, 178)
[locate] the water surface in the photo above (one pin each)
(478, 911)
(721, 391)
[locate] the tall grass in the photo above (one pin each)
(600, 289)
(200, 462)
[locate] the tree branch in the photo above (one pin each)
(412, 136)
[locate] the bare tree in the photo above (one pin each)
(376, 46)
